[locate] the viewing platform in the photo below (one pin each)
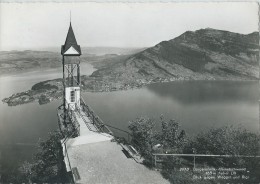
(90, 151)
(93, 155)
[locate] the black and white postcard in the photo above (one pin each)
(143, 92)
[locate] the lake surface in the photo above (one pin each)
(22, 126)
(197, 105)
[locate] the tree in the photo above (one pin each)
(143, 135)
(173, 139)
(46, 162)
(228, 140)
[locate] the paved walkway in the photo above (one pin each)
(86, 126)
(95, 158)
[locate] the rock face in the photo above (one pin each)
(206, 54)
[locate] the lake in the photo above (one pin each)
(22, 126)
(197, 105)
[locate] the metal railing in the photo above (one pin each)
(94, 118)
(158, 155)
(66, 137)
(72, 119)
(129, 135)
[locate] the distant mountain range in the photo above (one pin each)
(12, 62)
(206, 54)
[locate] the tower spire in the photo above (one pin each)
(70, 43)
(70, 16)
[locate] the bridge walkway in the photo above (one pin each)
(94, 157)
(86, 126)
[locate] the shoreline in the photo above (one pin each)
(46, 91)
(16, 73)
(56, 69)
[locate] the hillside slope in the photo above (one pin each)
(206, 54)
(14, 62)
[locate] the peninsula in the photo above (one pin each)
(205, 54)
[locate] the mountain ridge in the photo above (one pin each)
(205, 54)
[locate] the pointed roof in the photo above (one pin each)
(70, 44)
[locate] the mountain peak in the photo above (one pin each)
(197, 55)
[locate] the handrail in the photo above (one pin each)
(205, 155)
(94, 116)
(119, 129)
(66, 153)
(78, 111)
(70, 135)
(96, 120)
(155, 155)
(128, 133)
(74, 122)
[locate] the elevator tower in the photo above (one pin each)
(71, 52)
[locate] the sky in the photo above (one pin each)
(41, 25)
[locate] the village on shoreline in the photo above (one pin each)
(50, 90)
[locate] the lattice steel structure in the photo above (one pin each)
(71, 52)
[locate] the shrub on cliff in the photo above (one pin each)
(146, 139)
(46, 165)
(143, 136)
(226, 140)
